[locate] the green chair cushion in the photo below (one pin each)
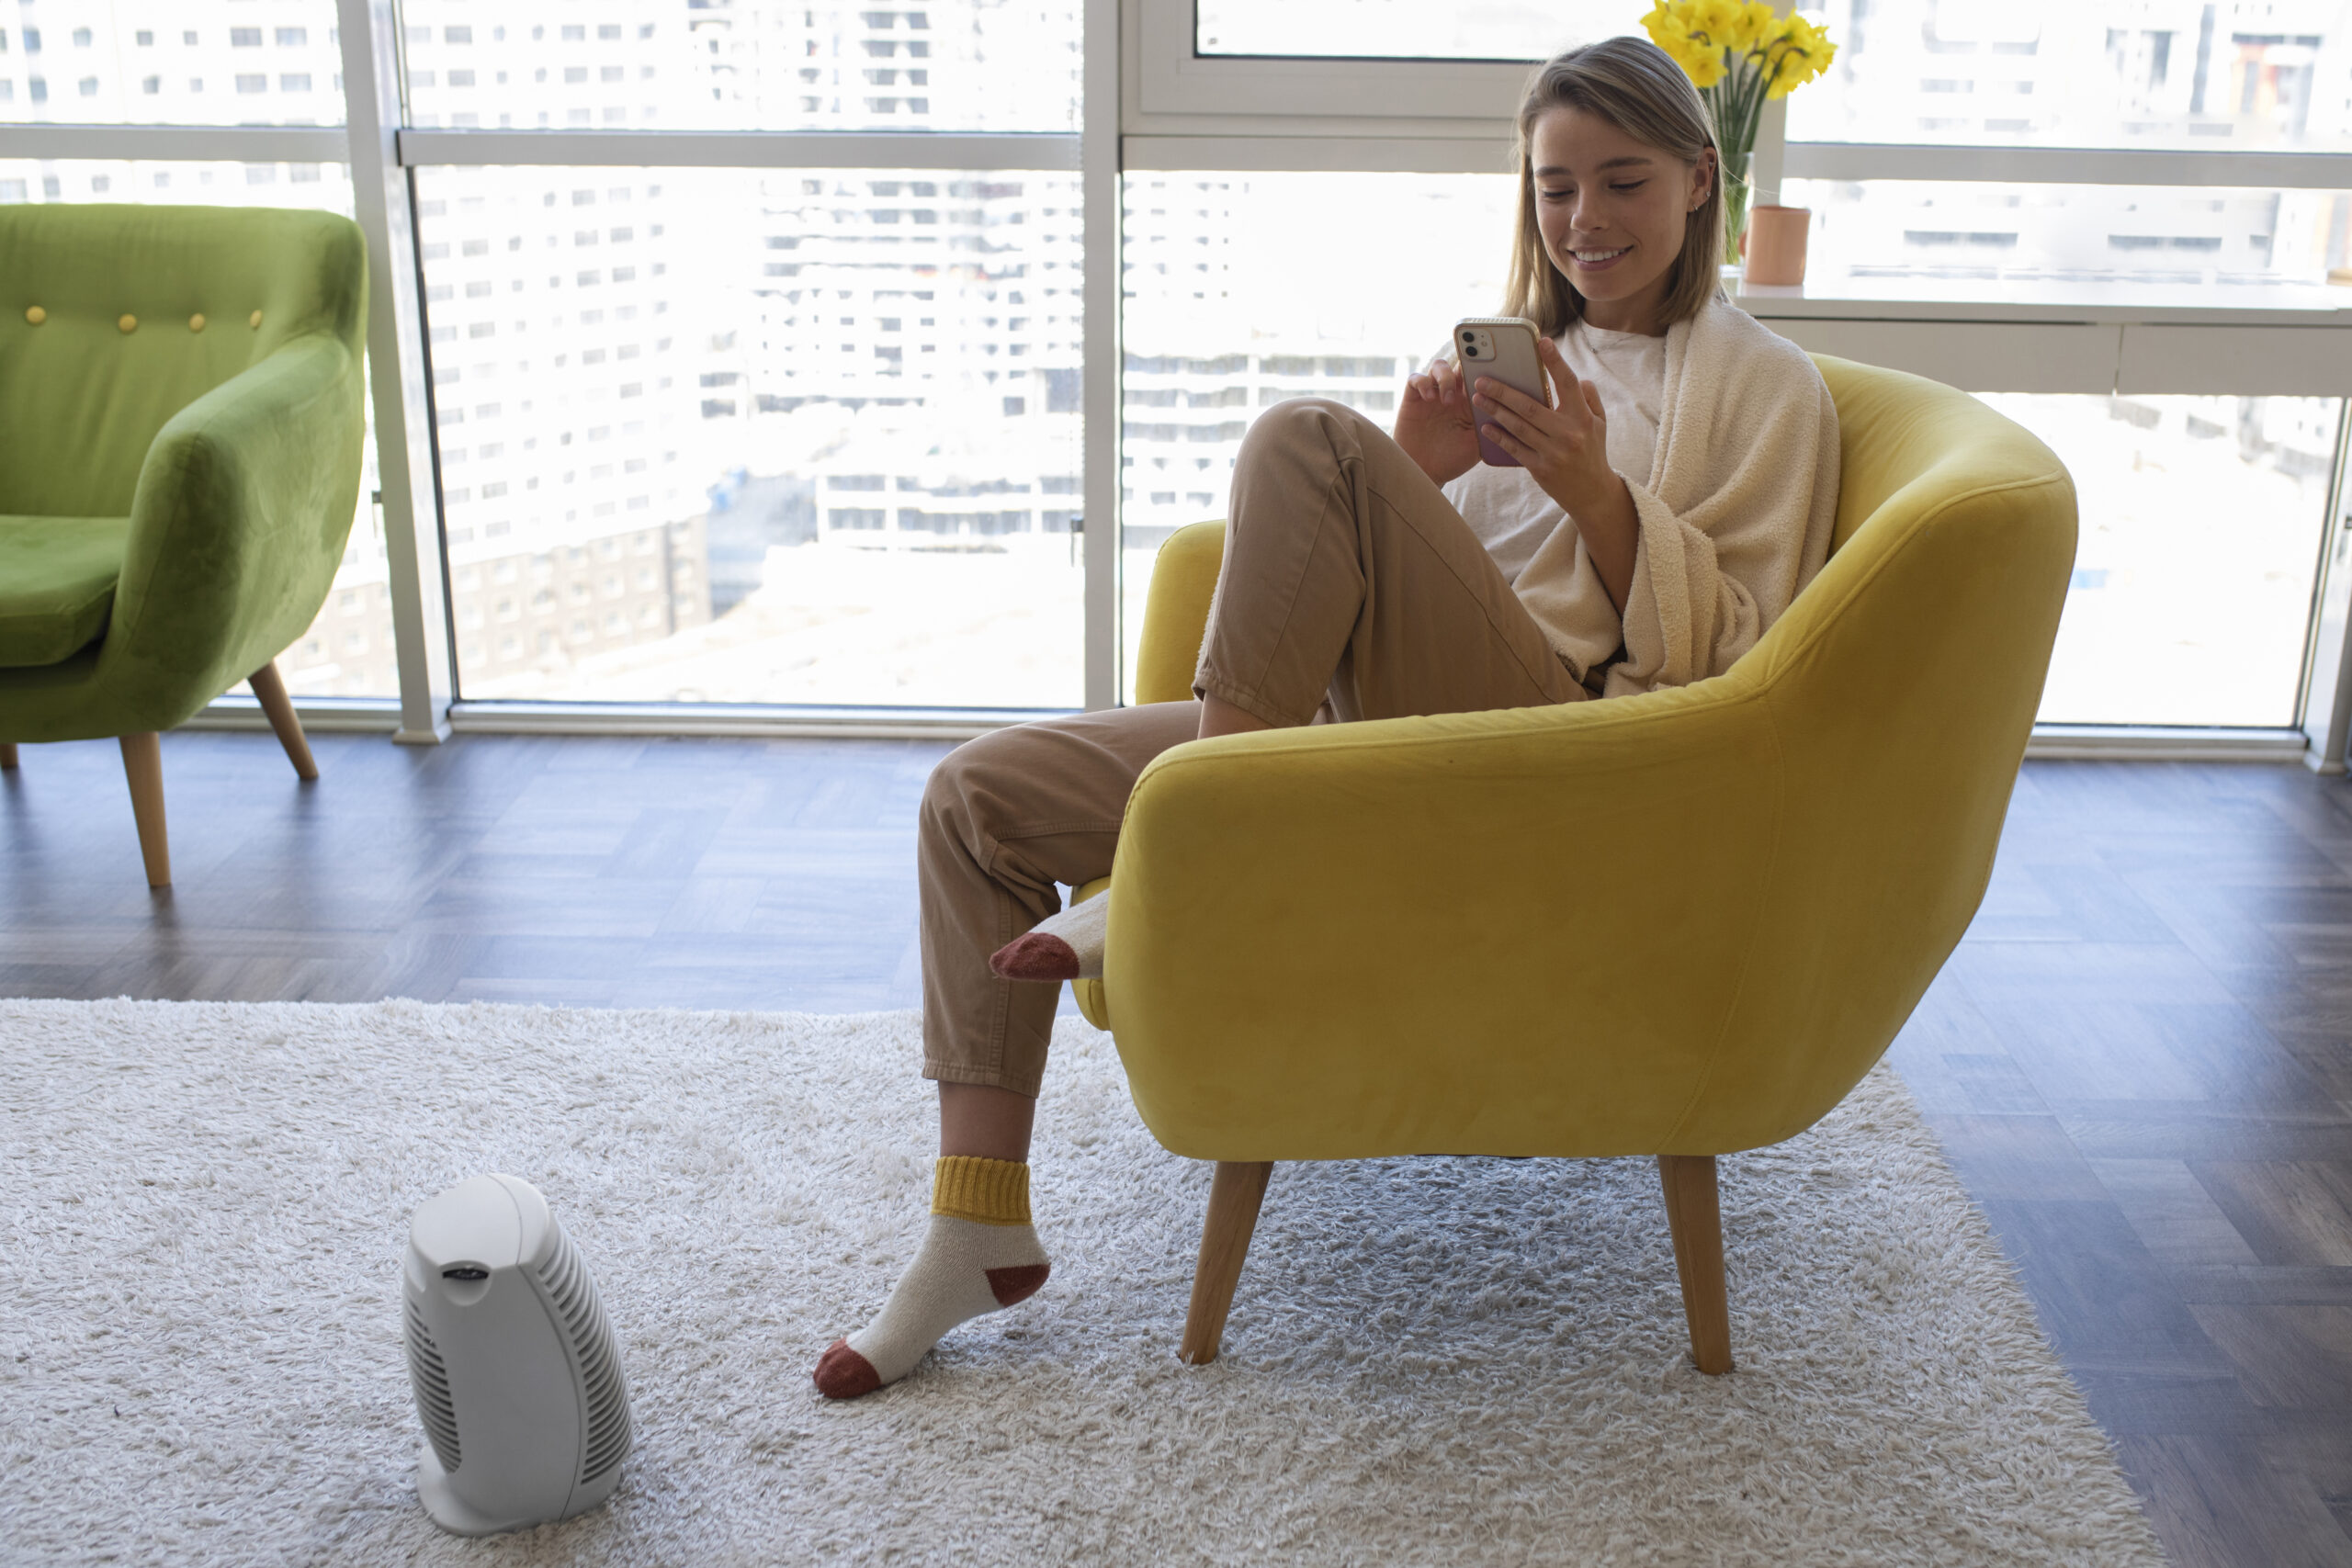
(56, 578)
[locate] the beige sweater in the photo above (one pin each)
(1735, 513)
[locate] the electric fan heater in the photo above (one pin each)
(517, 1375)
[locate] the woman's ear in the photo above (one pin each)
(1702, 179)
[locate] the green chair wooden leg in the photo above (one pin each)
(143, 764)
(271, 691)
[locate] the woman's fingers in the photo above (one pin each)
(1511, 444)
(1520, 422)
(1555, 367)
(1501, 394)
(1592, 400)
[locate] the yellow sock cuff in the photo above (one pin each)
(990, 1192)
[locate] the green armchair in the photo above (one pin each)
(180, 425)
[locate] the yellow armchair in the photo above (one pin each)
(1682, 924)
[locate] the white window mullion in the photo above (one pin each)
(1101, 360)
(177, 143)
(2066, 165)
(741, 149)
(2327, 676)
(396, 366)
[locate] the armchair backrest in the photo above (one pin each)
(81, 398)
(1902, 686)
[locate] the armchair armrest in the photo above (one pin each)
(1344, 941)
(1176, 612)
(237, 528)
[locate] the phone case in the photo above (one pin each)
(1504, 348)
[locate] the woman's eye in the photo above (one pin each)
(1630, 186)
(1556, 195)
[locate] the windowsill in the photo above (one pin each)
(1954, 299)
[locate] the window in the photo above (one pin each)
(1936, 232)
(302, 31)
(836, 528)
(1408, 29)
(1217, 333)
(986, 66)
(2201, 522)
(2093, 74)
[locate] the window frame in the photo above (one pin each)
(1150, 102)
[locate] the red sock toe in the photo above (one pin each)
(1036, 956)
(843, 1373)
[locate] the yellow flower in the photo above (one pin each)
(1799, 52)
(1753, 27)
(1681, 29)
(1721, 23)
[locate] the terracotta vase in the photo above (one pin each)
(1776, 243)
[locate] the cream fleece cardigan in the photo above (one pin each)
(1734, 514)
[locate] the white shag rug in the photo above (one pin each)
(202, 1208)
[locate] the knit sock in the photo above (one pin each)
(980, 1254)
(1068, 946)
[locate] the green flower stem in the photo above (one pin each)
(1736, 103)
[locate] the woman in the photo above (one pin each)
(1665, 515)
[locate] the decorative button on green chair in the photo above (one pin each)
(180, 427)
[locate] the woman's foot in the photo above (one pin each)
(1068, 946)
(981, 1254)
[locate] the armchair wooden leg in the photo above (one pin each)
(143, 764)
(280, 709)
(1234, 1197)
(1695, 1216)
(8, 754)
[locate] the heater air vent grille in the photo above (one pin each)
(430, 1378)
(591, 1336)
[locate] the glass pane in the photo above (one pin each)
(2201, 520)
(2156, 73)
(196, 62)
(759, 435)
(2024, 234)
(2202, 517)
(348, 650)
(1222, 321)
(1410, 29)
(752, 64)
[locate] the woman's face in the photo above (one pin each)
(1613, 211)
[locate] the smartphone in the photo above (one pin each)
(1504, 348)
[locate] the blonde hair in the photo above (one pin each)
(1638, 87)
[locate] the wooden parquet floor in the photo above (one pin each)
(2140, 1059)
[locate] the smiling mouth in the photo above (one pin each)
(1598, 258)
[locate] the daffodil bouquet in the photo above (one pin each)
(1739, 53)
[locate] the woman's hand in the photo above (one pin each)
(1565, 451)
(1434, 424)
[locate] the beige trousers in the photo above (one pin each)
(1348, 577)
